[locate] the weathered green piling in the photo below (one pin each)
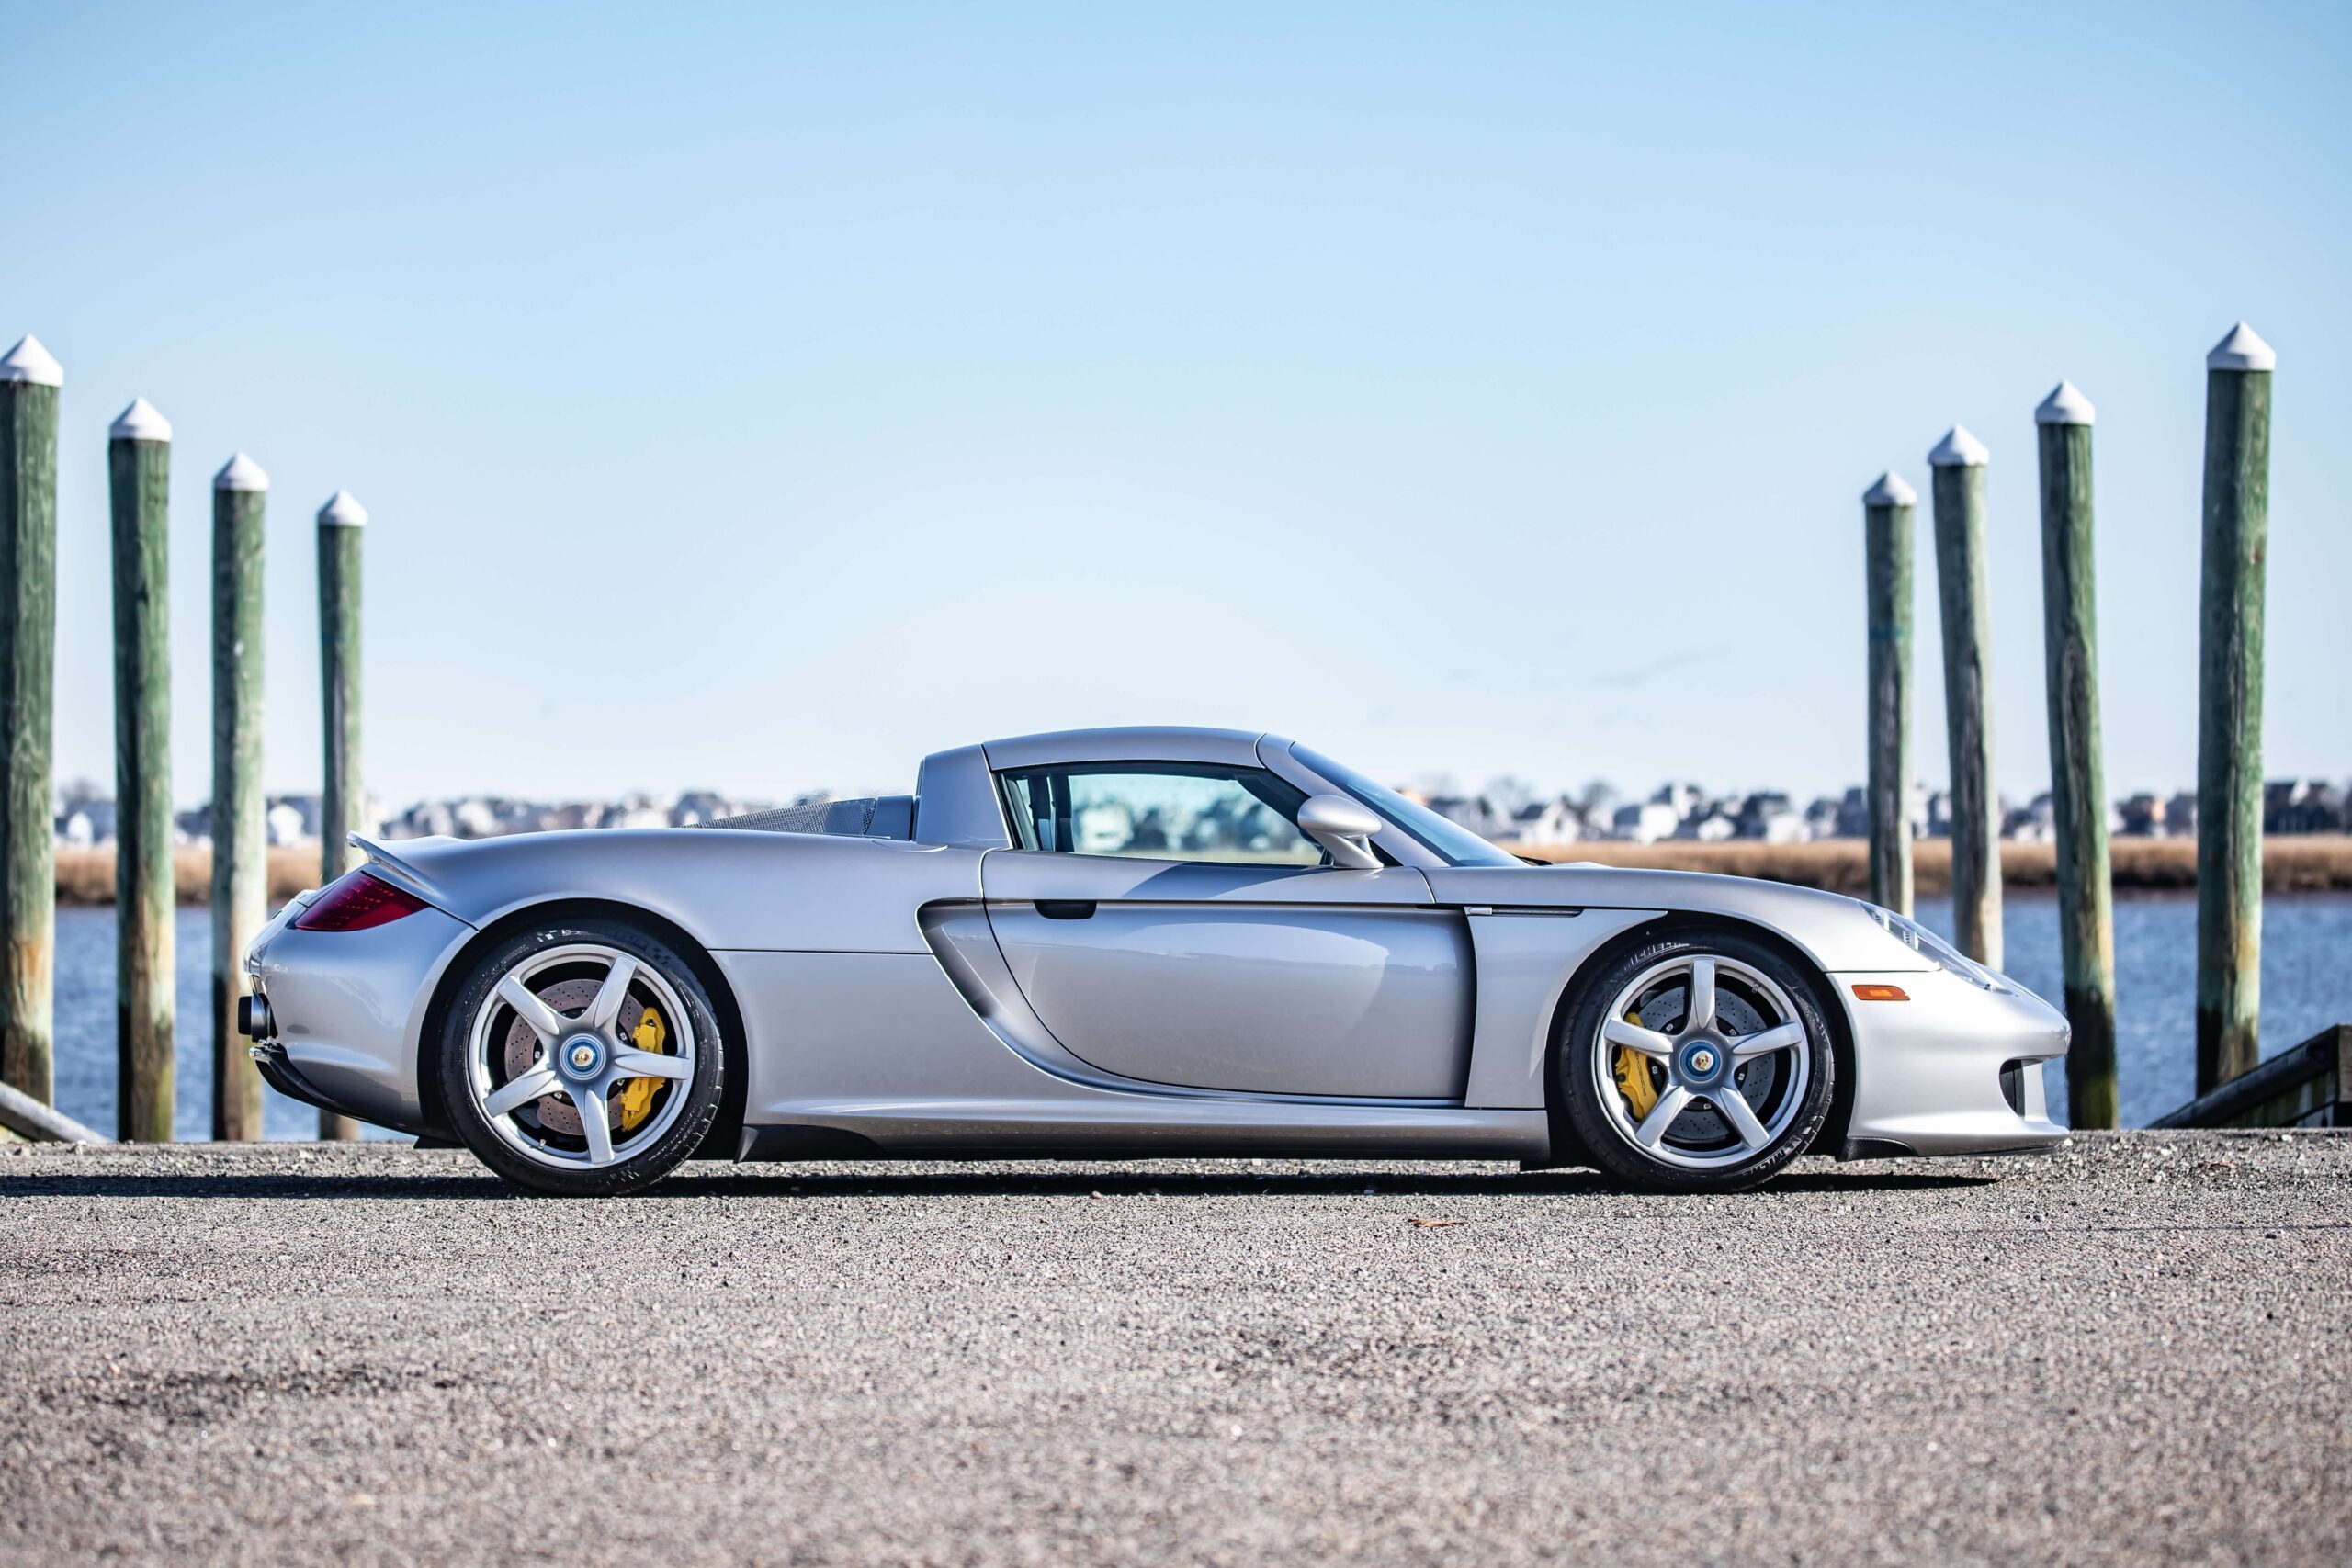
(1957, 461)
(342, 800)
(30, 385)
(139, 471)
(2229, 727)
(1886, 530)
(240, 828)
(2077, 774)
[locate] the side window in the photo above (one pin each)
(1160, 811)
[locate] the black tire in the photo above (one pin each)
(1576, 1061)
(702, 1093)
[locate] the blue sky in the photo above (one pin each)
(762, 398)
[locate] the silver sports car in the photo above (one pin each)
(1112, 944)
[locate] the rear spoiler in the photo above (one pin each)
(393, 869)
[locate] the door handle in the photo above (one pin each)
(1066, 908)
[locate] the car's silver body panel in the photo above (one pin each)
(1337, 983)
(349, 1013)
(938, 996)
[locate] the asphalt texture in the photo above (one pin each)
(2138, 1347)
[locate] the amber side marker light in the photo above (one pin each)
(1881, 993)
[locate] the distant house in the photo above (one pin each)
(1771, 817)
(287, 823)
(1548, 822)
(428, 819)
(1854, 814)
(2143, 817)
(1937, 814)
(1684, 798)
(636, 811)
(1644, 823)
(86, 822)
(2302, 806)
(2036, 822)
(696, 806)
(2180, 815)
(1707, 826)
(476, 819)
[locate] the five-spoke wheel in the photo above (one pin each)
(581, 1058)
(1700, 1062)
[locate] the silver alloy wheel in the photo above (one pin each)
(1718, 1021)
(584, 1055)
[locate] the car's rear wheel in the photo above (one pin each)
(581, 1058)
(1698, 1062)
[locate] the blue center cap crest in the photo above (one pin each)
(580, 1057)
(1702, 1060)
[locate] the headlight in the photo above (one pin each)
(1935, 949)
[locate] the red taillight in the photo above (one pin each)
(356, 903)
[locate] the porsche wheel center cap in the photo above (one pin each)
(582, 1057)
(1702, 1062)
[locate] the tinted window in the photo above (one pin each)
(1160, 811)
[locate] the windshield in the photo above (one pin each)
(1449, 841)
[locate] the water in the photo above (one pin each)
(86, 1030)
(2306, 986)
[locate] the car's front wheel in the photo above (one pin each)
(581, 1058)
(1698, 1062)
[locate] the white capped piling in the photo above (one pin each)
(30, 384)
(342, 799)
(240, 823)
(2077, 773)
(1887, 508)
(2229, 728)
(1958, 464)
(139, 470)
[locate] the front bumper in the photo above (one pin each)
(349, 1009)
(1928, 1071)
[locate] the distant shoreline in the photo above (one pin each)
(2316, 862)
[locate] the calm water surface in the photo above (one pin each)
(2306, 986)
(86, 1030)
(2306, 981)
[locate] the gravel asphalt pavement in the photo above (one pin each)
(2137, 1346)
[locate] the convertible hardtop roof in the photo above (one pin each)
(1151, 743)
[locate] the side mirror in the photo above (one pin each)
(1344, 829)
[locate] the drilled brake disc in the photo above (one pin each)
(556, 1112)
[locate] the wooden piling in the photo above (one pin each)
(342, 800)
(2077, 771)
(30, 381)
(139, 470)
(1958, 464)
(1886, 529)
(2229, 728)
(240, 826)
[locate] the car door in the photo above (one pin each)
(1169, 923)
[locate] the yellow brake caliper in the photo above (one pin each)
(1633, 1075)
(637, 1094)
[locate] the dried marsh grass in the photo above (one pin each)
(87, 876)
(2317, 863)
